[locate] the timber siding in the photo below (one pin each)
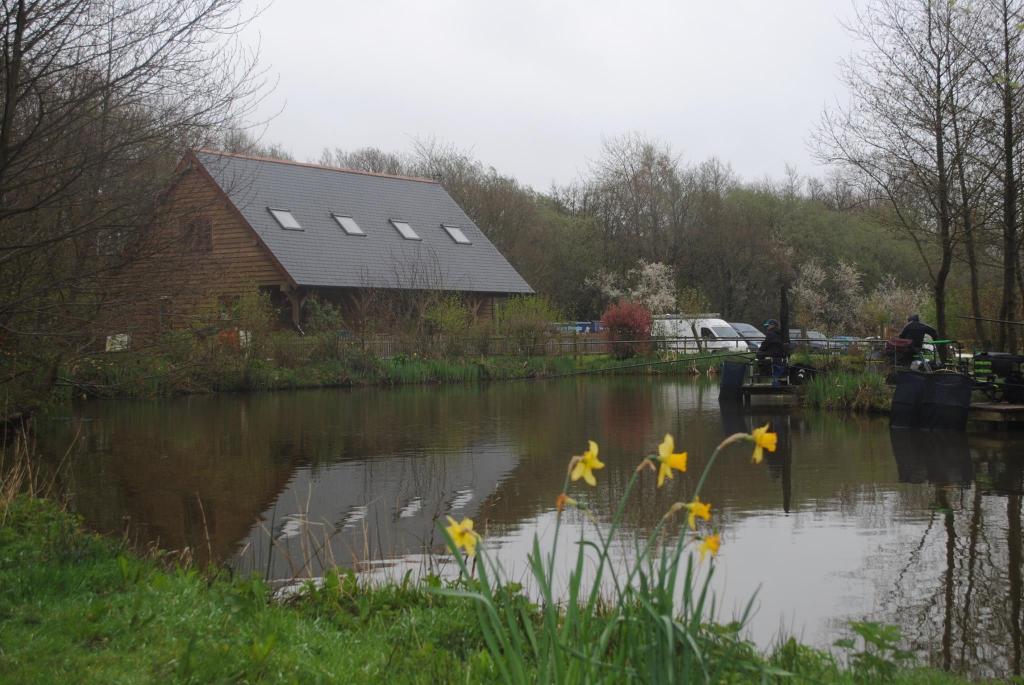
(170, 286)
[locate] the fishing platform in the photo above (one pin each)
(740, 380)
(748, 391)
(997, 414)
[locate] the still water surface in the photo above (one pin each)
(847, 521)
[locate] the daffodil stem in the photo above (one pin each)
(558, 527)
(616, 522)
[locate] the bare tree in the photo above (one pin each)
(101, 97)
(369, 159)
(898, 130)
(638, 193)
(999, 57)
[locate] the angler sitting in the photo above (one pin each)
(914, 331)
(773, 348)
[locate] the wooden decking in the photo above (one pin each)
(766, 389)
(997, 413)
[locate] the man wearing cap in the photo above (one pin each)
(773, 347)
(915, 331)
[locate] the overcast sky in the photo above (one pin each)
(533, 87)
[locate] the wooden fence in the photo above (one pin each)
(582, 344)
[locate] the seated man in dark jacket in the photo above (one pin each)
(915, 331)
(773, 347)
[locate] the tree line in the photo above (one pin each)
(931, 138)
(643, 224)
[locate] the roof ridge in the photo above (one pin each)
(310, 165)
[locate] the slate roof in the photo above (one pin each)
(323, 255)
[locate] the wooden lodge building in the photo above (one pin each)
(235, 223)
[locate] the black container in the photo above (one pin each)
(731, 379)
(907, 400)
(937, 401)
(947, 401)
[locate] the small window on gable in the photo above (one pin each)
(349, 225)
(456, 234)
(285, 219)
(197, 235)
(111, 242)
(405, 229)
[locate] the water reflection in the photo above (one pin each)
(739, 419)
(940, 457)
(957, 590)
(847, 520)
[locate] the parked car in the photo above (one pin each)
(843, 343)
(697, 334)
(578, 327)
(751, 336)
(588, 327)
(565, 328)
(813, 341)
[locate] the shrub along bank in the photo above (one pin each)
(76, 607)
(164, 372)
(842, 383)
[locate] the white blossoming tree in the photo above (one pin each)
(651, 284)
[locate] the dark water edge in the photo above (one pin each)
(847, 521)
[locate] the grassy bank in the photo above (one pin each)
(75, 607)
(79, 608)
(159, 375)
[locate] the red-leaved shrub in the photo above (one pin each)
(626, 321)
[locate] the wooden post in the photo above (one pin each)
(296, 298)
(784, 313)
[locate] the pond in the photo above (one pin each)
(846, 521)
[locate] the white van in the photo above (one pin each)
(697, 333)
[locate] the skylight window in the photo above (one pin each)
(456, 234)
(405, 229)
(285, 219)
(349, 225)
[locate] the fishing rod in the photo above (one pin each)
(981, 318)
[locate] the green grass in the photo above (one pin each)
(155, 375)
(79, 608)
(76, 607)
(849, 391)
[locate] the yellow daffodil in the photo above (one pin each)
(563, 501)
(698, 508)
(763, 439)
(710, 544)
(668, 460)
(586, 465)
(463, 535)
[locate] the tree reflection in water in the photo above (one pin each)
(957, 594)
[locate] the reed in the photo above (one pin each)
(847, 391)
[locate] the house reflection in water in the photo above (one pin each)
(363, 512)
